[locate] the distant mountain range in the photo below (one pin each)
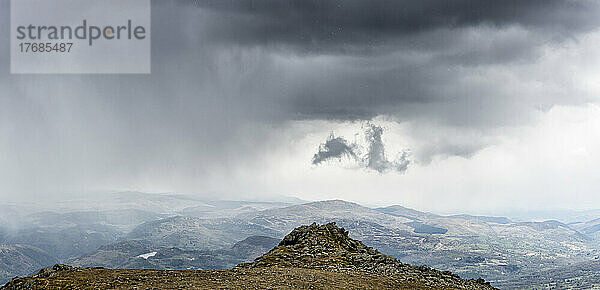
(19, 259)
(139, 255)
(322, 256)
(473, 246)
(583, 275)
(189, 233)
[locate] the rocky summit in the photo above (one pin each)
(314, 256)
(328, 247)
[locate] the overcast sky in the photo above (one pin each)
(496, 101)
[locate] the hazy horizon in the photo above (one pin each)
(92, 201)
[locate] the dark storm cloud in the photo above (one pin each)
(334, 148)
(408, 59)
(227, 74)
(366, 26)
(373, 158)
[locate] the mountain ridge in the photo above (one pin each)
(328, 247)
(321, 256)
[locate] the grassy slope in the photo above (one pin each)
(281, 278)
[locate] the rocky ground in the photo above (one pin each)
(314, 257)
(260, 278)
(328, 247)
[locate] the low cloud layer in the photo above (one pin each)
(373, 158)
(376, 158)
